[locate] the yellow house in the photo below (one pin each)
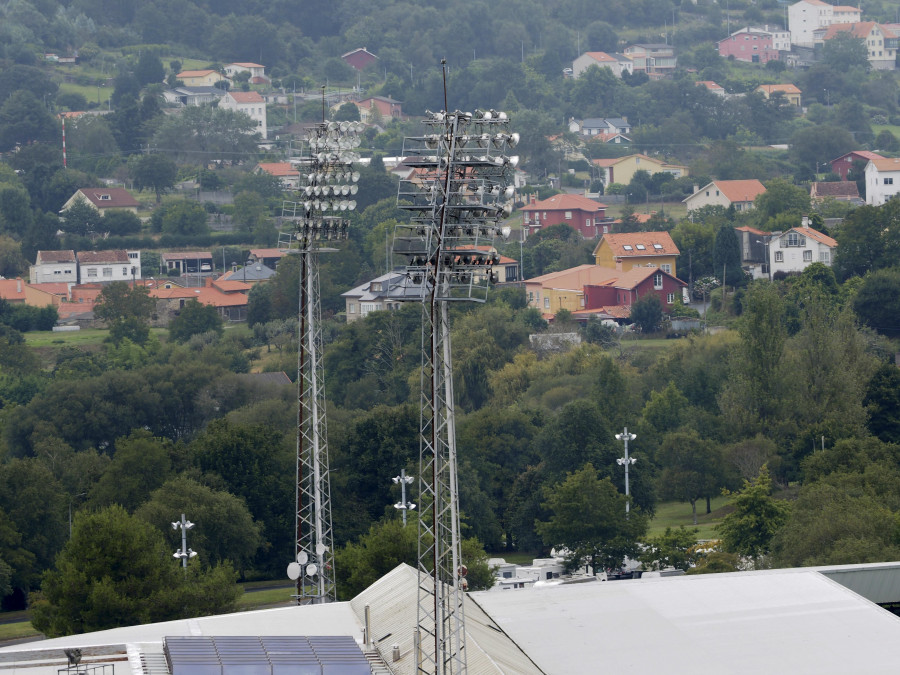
(200, 78)
(622, 169)
(637, 249)
(564, 289)
(791, 93)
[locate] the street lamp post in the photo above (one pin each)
(626, 461)
(403, 480)
(184, 552)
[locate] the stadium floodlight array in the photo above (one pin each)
(310, 226)
(456, 196)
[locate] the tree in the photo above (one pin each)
(727, 256)
(647, 313)
(587, 521)
(120, 224)
(141, 464)
(845, 51)
(348, 112)
(122, 305)
(877, 303)
(748, 530)
(883, 403)
(23, 120)
(820, 144)
(195, 318)
(155, 172)
(781, 197)
(691, 468)
(673, 548)
(81, 218)
(149, 69)
(181, 217)
(387, 544)
(117, 570)
(224, 527)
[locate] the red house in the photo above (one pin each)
(580, 213)
(842, 165)
(359, 58)
(628, 287)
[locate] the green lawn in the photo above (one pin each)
(14, 631)
(266, 598)
(675, 514)
(75, 338)
(88, 91)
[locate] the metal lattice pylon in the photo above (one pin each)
(315, 222)
(455, 198)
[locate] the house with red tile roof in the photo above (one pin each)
(790, 92)
(54, 266)
(106, 266)
(617, 63)
(269, 257)
(17, 292)
(257, 71)
(808, 16)
(626, 250)
(386, 107)
(799, 247)
(842, 165)
(287, 173)
(251, 104)
(838, 190)
(739, 193)
(580, 213)
(622, 169)
(750, 46)
(104, 199)
(229, 298)
(711, 86)
(880, 41)
(604, 291)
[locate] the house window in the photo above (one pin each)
(351, 307)
(107, 271)
(807, 256)
(641, 247)
(824, 256)
(658, 247)
(888, 181)
(530, 296)
(657, 281)
(628, 247)
(546, 303)
(568, 215)
(670, 298)
(92, 271)
(666, 268)
(794, 239)
(124, 271)
(779, 256)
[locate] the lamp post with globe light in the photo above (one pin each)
(626, 461)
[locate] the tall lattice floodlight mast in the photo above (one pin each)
(309, 227)
(456, 198)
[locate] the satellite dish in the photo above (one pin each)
(293, 571)
(302, 557)
(320, 549)
(311, 569)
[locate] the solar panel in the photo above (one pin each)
(269, 655)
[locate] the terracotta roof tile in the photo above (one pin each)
(246, 97)
(653, 243)
(116, 257)
(565, 201)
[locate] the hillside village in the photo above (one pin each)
(699, 245)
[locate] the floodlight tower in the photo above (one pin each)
(458, 195)
(309, 227)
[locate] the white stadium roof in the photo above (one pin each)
(794, 621)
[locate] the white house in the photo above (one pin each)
(250, 103)
(117, 265)
(617, 63)
(807, 16)
(739, 193)
(54, 266)
(798, 248)
(381, 293)
(882, 180)
(257, 72)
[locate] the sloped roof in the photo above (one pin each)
(886, 163)
(735, 190)
(205, 295)
(186, 255)
(653, 243)
(575, 277)
(115, 257)
(194, 73)
(859, 30)
(278, 168)
(865, 154)
(839, 188)
(246, 97)
(565, 201)
(815, 235)
(268, 252)
(231, 286)
(50, 257)
(709, 84)
(252, 272)
(246, 65)
(109, 197)
(602, 57)
(776, 88)
(752, 230)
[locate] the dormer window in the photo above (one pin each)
(105, 198)
(628, 247)
(375, 286)
(641, 247)
(658, 247)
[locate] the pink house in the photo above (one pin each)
(842, 165)
(750, 46)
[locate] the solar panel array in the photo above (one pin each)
(279, 655)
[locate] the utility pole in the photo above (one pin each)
(403, 506)
(184, 552)
(626, 461)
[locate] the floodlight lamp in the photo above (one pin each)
(177, 554)
(352, 204)
(332, 126)
(502, 116)
(412, 507)
(175, 525)
(188, 525)
(191, 553)
(505, 232)
(507, 209)
(487, 115)
(514, 139)
(355, 176)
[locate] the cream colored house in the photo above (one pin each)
(200, 78)
(739, 193)
(622, 169)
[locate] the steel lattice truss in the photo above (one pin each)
(456, 198)
(308, 227)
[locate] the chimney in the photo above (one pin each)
(18, 285)
(804, 221)
(696, 188)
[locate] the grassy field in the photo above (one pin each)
(14, 631)
(676, 514)
(265, 598)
